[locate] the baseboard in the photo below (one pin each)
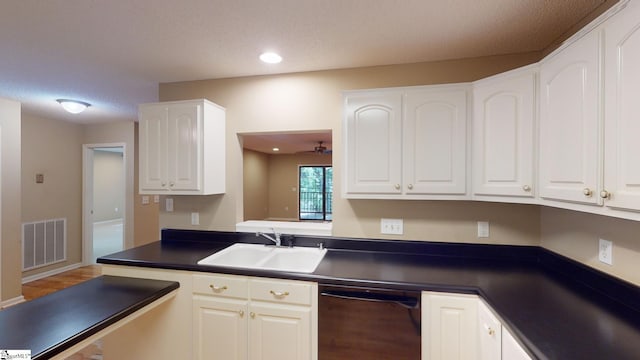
(16, 300)
(45, 274)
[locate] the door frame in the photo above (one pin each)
(87, 198)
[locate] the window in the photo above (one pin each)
(316, 190)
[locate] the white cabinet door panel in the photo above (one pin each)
(503, 136)
(622, 109)
(490, 331)
(373, 133)
(570, 138)
(219, 329)
(435, 142)
(279, 332)
(449, 326)
(511, 350)
(184, 151)
(153, 147)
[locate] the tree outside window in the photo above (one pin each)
(315, 192)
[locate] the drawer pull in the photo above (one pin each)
(253, 315)
(241, 313)
(279, 293)
(217, 288)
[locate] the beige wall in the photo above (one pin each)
(10, 190)
(283, 183)
(146, 223)
(311, 101)
(108, 185)
(576, 235)
(53, 148)
(255, 185)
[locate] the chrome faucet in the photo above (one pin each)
(275, 234)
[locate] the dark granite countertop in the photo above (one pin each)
(51, 324)
(555, 307)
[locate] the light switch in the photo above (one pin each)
(483, 229)
(156, 199)
(168, 205)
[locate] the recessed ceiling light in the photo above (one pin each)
(270, 58)
(276, 149)
(73, 106)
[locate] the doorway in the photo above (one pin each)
(104, 200)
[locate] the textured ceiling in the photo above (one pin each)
(113, 53)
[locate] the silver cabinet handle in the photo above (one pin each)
(217, 288)
(279, 293)
(397, 186)
(171, 183)
(410, 186)
(526, 188)
(587, 192)
(163, 184)
(605, 194)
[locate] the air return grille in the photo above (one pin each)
(44, 243)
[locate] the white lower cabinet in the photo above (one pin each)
(238, 317)
(489, 333)
(460, 326)
(511, 350)
(449, 326)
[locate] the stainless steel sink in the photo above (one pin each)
(262, 257)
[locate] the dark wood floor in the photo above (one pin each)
(42, 287)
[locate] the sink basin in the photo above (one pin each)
(262, 257)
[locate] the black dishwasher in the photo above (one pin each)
(372, 324)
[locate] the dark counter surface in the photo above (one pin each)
(547, 301)
(51, 324)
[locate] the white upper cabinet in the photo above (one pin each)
(406, 143)
(373, 137)
(503, 135)
(434, 142)
(182, 148)
(622, 110)
(570, 135)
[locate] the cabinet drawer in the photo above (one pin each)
(219, 285)
(290, 292)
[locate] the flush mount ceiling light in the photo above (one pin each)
(270, 58)
(275, 149)
(73, 106)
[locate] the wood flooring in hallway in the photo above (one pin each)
(42, 287)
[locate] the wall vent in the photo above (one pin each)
(44, 243)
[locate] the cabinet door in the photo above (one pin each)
(373, 134)
(622, 109)
(184, 146)
(280, 332)
(435, 142)
(511, 350)
(449, 326)
(153, 148)
(219, 328)
(503, 136)
(570, 154)
(490, 330)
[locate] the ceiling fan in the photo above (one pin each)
(318, 149)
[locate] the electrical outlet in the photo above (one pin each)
(168, 205)
(195, 218)
(605, 251)
(145, 199)
(391, 226)
(483, 229)
(156, 198)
